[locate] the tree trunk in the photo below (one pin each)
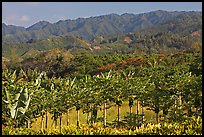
(60, 123)
(189, 111)
(118, 114)
(157, 117)
(105, 114)
(55, 123)
(77, 118)
(180, 101)
(196, 106)
(180, 104)
(68, 117)
(130, 116)
(91, 115)
(52, 122)
(87, 118)
(28, 123)
(95, 113)
(17, 123)
(42, 120)
(137, 107)
(142, 112)
(196, 112)
(46, 119)
(175, 107)
(137, 111)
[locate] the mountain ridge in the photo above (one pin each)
(91, 27)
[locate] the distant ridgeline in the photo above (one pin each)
(89, 28)
(152, 32)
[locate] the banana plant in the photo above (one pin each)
(18, 93)
(128, 87)
(68, 88)
(134, 86)
(118, 93)
(104, 86)
(156, 95)
(58, 99)
(20, 104)
(79, 97)
(65, 89)
(176, 80)
(86, 84)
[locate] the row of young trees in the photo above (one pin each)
(174, 89)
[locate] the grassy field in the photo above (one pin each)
(111, 116)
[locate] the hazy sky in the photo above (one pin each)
(28, 13)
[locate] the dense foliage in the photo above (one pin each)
(171, 84)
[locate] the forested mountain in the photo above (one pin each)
(89, 28)
(169, 37)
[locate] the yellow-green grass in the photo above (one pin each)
(112, 113)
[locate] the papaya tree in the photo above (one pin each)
(156, 96)
(68, 87)
(192, 95)
(129, 89)
(91, 93)
(78, 96)
(104, 86)
(118, 93)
